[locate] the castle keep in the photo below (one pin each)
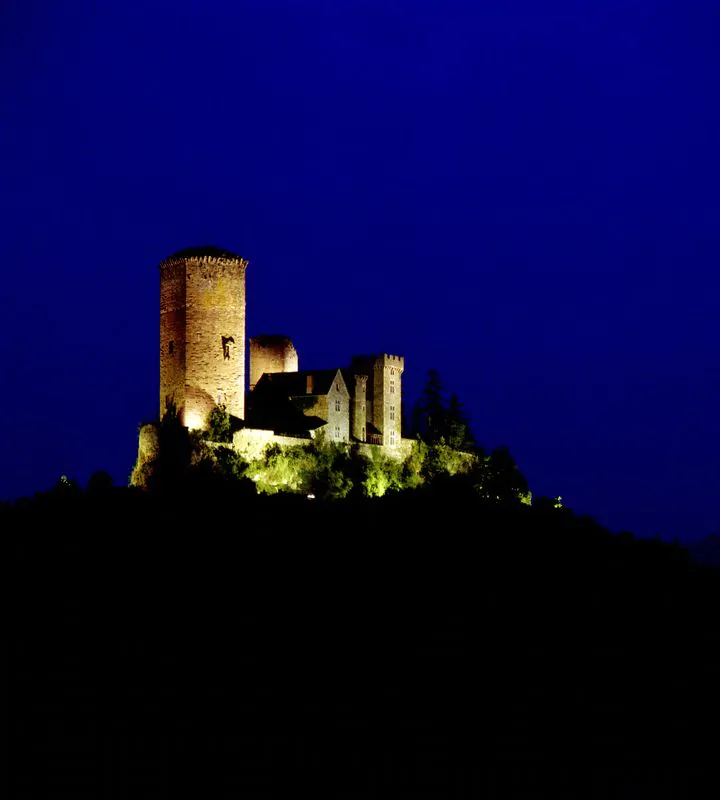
(202, 333)
(202, 365)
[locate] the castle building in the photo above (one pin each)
(202, 364)
(296, 403)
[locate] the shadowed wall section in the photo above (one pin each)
(271, 353)
(202, 333)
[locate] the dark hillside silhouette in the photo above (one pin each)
(423, 644)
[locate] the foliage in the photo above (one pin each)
(66, 486)
(283, 469)
(442, 459)
(459, 435)
(381, 474)
(99, 482)
(325, 469)
(219, 425)
(429, 417)
(436, 421)
(498, 478)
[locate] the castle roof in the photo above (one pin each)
(295, 384)
(204, 251)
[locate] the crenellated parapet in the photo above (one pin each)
(208, 256)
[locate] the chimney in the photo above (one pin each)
(309, 384)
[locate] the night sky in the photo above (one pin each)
(523, 195)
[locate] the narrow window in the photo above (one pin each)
(338, 404)
(171, 347)
(392, 438)
(392, 413)
(392, 385)
(337, 432)
(227, 343)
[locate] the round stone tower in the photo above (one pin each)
(202, 333)
(271, 353)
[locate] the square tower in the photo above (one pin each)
(384, 394)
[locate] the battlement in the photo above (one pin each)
(387, 359)
(204, 255)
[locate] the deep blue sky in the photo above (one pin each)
(523, 195)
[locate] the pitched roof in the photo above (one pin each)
(295, 384)
(288, 422)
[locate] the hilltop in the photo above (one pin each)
(423, 644)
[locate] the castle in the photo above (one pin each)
(203, 365)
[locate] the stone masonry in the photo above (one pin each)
(384, 394)
(202, 333)
(271, 353)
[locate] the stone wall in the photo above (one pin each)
(209, 331)
(251, 443)
(271, 353)
(148, 451)
(358, 407)
(389, 370)
(337, 402)
(172, 335)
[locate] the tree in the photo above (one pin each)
(429, 418)
(459, 435)
(500, 478)
(100, 482)
(174, 451)
(219, 425)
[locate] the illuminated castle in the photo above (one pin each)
(202, 365)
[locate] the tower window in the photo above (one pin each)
(338, 404)
(392, 438)
(227, 342)
(171, 347)
(392, 413)
(392, 385)
(337, 433)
